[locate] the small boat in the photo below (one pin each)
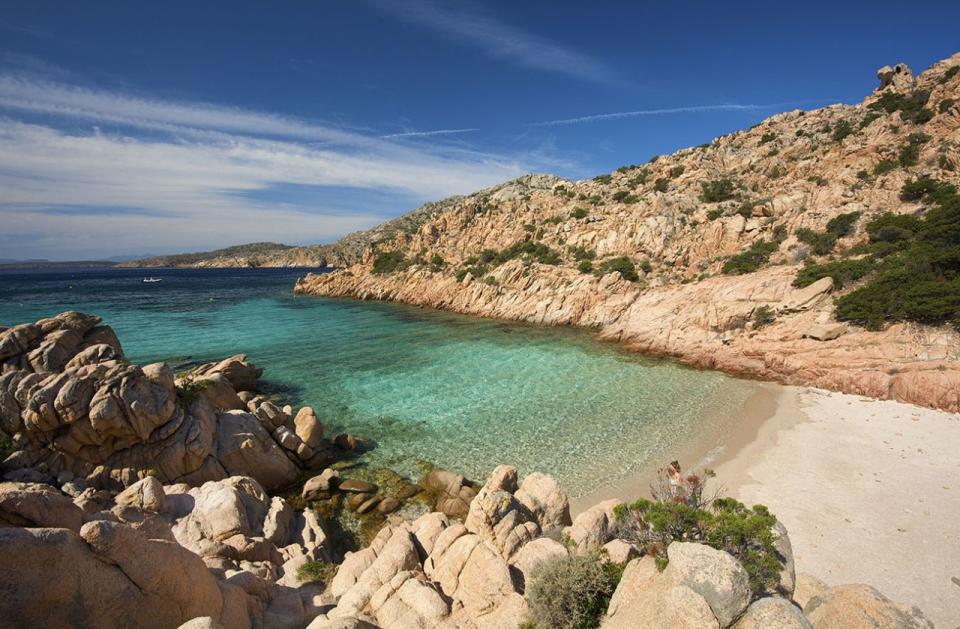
(151, 280)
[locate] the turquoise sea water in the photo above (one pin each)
(459, 392)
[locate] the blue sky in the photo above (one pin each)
(134, 127)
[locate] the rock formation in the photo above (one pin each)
(545, 250)
(77, 412)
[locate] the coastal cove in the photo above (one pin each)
(425, 386)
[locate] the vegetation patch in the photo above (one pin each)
(388, 262)
(912, 107)
(682, 511)
(824, 242)
(316, 571)
(750, 260)
(842, 272)
(622, 265)
(571, 592)
(917, 264)
(718, 190)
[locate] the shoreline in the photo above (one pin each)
(891, 522)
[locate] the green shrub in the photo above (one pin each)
(842, 130)
(918, 278)
(884, 166)
(714, 214)
(189, 390)
(388, 262)
(682, 513)
(476, 271)
(316, 571)
(893, 227)
(718, 190)
(582, 253)
(585, 266)
(661, 185)
(911, 106)
(490, 281)
(949, 74)
(579, 212)
(868, 119)
(675, 172)
(762, 316)
(571, 592)
(529, 250)
(604, 179)
(916, 189)
(946, 104)
(750, 260)
(824, 242)
(910, 152)
(769, 136)
(622, 265)
(842, 272)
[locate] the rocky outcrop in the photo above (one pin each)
(792, 174)
(77, 412)
(226, 554)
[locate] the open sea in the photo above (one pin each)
(458, 392)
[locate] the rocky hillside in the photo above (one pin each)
(817, 247)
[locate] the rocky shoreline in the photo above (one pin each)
(172, 500)
(706, 325)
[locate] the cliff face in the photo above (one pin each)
(801, 186)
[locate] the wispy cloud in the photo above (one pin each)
(182, 175)
(424, 134)
(466, 23)
(651, 112)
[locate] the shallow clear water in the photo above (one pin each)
(456, 391)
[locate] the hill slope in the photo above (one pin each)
(726, 254)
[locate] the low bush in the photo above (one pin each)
(714, 214)
(582, 253)
(675, 172)
(585, 266)
(910, 152)
(571, 592)
(884, 166)
(388, 262)
(316, 571)
(750, 260)
(842, 130)
(622, 265)
(579, 212)
(718, 190)
(661, 185)
(681, 511)
(946, 104)
(912, 107)
(824, 242)
(762, 316)
(842, 272)
(917, 270)
(769, 136)
(604, 179)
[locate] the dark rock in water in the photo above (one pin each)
(370, 503)
(347, 442)
(354, 501)
(355, 486)
(409, 491)
(388, 505)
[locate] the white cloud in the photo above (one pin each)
(649, 112)
(199, 176)
(463, 22)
